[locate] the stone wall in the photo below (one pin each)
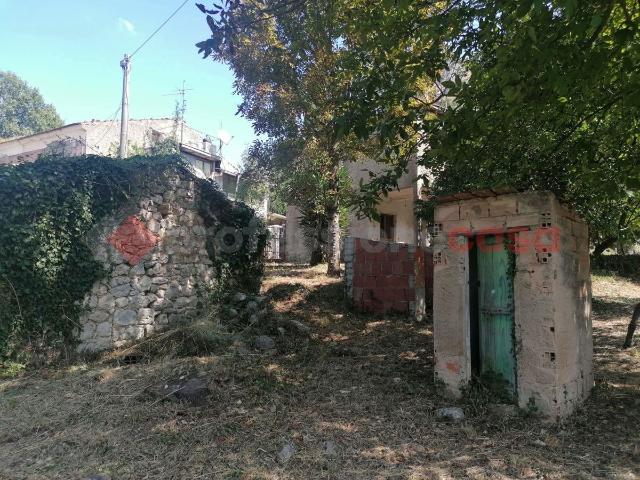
(385, 277)
(155, 256)
(552, 295)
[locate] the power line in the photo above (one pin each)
(159, 28)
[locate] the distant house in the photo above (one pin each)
(101, 138)
(397, 222)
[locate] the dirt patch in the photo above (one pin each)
(355, 399)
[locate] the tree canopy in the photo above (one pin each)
(547, 96)
(530, 94)
(284, 56)
(23, 111)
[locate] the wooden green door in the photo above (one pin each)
(495, 310)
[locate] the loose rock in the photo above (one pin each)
(287, 451)
(264, 342)
(329, 448)
(239, 297)
(450, 413)
(193, 390)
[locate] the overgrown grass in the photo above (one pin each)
(363, 382)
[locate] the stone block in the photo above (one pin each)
(123, 280)
(98, 316)
(447, 212)
(502, 205)
(122, 302)
(106, 302)
(142, 284)
(121, 290)
(104, 329)
(522, 220)
(146, 316)
(473, 209)
(534, 202)
(125, 317)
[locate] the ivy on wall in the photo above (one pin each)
(49, 207)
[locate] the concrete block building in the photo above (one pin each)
(96, 137)
(397, 223)
(512, 297)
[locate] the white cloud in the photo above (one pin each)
(126, 25)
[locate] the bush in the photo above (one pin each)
(622, 265)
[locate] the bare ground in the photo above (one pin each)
(362, 383)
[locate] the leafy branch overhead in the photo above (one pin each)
(536, 95)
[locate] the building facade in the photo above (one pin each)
(96, 137)
(397, 220)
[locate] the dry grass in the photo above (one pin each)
(362, 382)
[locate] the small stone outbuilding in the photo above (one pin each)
(512, 297)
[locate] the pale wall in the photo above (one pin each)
(27, 149)
(399, 204)
(296, 250)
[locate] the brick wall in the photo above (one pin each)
(388, 277)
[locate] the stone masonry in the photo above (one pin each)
(156, 261)
(552, 295)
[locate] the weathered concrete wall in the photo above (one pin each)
(398, 203)
(296, 249)
(156, 258)
(385, 277)
(28, 149)
(552, 295)
(103, 137)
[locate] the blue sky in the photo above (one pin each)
(71, 49)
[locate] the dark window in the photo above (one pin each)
(387, 227)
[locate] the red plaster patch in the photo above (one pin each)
(133, 240)
(453, 367)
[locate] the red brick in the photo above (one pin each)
(401, 306)
(370, 282)
(402, 254)
(357, 294)
(397, 268)
(386, 268)
(407, 267)
(398, 281)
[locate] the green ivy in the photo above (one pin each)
(47, 210)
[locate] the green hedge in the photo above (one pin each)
(47, 210)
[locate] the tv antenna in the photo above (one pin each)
(182, 93)
(224, 138)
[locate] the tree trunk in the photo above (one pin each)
(632, 327)
(333, 243)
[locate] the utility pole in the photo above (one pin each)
(124, 119)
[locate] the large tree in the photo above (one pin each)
(301, 174)
(23, 111)
(284, 56)
(548, 97)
